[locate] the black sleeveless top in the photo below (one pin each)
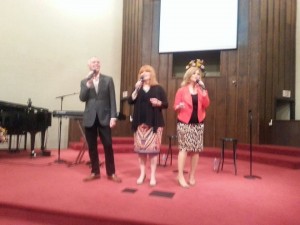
(194, 116)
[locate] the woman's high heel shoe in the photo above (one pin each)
(183, 184)
(192, 182)
(140, 180)
(152, 182)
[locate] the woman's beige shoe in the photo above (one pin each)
(140, 180)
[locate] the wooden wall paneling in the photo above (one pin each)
(172, 86)
(118, 128)
(282, 46)
(131, 41)
(266, 75)
(166, 69)
(270, 63)
(218, 102)
(242, 73)
(276, 76)
(217, 108)
(276, 51)
(254, 70)
(271, 84)
(262, 78)
(158, 60)
(293, 55)
(155, 56)
(147, 32)
(263, 38)
(214, 116)
(292, 61)
(164, 81)
(290, 47)
(242, 107)
(210, 120)
(288, 131)
(125, 60)
(293, 47)
(131, 55)
(287, 50)
(231, 95)
(283, 132)
(168, 83)
(279, 57)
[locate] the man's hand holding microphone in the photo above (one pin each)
(90, 77)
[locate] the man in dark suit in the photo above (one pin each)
(98, 92)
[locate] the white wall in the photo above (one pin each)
(44, 48)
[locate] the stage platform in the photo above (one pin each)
(41, 191)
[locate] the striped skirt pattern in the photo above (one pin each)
(146, 141)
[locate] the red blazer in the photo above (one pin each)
(183, 95)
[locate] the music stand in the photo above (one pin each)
(251, 176)
(59, 160)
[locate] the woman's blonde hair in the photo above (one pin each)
(188, 73)
(148, 68)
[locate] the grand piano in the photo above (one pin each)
(18, 119)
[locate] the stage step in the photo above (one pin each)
(283, 156)
(272, 149)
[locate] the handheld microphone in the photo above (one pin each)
(92, 75)
(142, 78)
(142, 81)
(200, 84)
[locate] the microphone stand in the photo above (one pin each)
(250, 135)
(60, 123)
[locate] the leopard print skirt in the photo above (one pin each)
(190, 137)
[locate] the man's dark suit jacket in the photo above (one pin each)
(102, 104)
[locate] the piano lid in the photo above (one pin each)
(8, 106)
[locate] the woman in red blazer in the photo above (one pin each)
(190, 103)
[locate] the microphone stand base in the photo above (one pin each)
(59, 161)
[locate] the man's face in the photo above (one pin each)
(94, 64)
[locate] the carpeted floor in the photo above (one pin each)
(41, 191)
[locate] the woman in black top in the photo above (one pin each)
(148, 98)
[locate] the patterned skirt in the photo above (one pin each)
(146, 141)
(190, 137)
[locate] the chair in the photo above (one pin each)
(234, 145)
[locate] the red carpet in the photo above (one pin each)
(40, 191)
